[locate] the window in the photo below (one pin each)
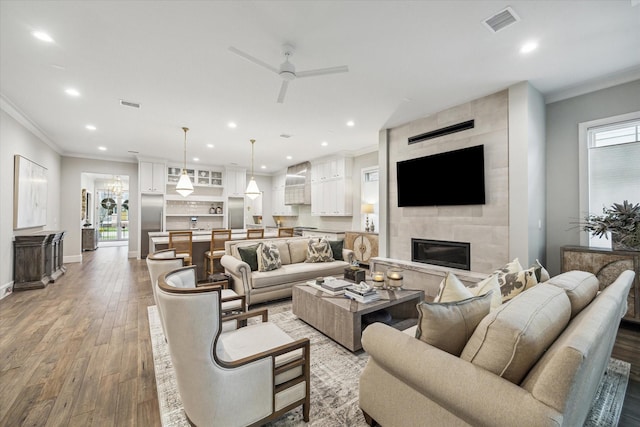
(613, 166)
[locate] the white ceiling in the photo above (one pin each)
(407, 59)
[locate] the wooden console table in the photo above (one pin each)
(37, 259)
(607, 265)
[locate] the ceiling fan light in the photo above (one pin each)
(184, 186)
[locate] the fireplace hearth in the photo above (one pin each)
(441, 252)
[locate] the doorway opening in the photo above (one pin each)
(369, 197)
(109, 209)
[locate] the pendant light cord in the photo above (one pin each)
(252, 142)
(184, 169)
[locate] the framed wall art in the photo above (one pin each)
(29, 194)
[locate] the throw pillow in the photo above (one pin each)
(542, 275)
(319, 251)
(452, 289)
(248, 254)
(516, 283)
(448, 326)
(487, 285)
(336, 249)
(268, 256)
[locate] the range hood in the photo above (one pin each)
(297, 186)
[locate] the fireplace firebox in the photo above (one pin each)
(443, 253)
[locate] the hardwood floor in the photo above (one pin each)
(79, 353)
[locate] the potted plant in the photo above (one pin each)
(622, 221)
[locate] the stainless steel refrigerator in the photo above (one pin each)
(151, 219)
(235, 210)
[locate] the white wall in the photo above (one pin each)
(562, 186)
(526, 174)
(17, 139)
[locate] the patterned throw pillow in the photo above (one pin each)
(515, 283)
(268, 256)
(542, 275)
(248, 254)
(319, 251)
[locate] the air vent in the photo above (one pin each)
(501, 20)
(442, 131)
(129, 104)
(285, 135)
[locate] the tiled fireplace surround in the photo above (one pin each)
(485, 227)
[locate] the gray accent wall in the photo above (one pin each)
(562, 187)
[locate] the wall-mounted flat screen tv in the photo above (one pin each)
(450, 178)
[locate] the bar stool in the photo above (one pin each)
(255, 233)
(216, 249)
(182, 242)
(285, 232)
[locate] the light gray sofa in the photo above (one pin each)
(408, 382)
(265, 286)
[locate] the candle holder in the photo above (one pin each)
(378, 279)
(394, 279)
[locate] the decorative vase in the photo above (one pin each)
(617, 245)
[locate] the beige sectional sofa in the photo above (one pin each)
(262, 286)
(537, 360)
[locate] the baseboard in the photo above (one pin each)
(134, 254)
(72, 258)
(6, 289)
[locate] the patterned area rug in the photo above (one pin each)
(334, 380)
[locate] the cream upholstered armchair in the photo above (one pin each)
(243, 377)
(166, 260)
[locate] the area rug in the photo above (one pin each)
(335, 372)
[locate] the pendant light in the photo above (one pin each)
(252, 189)
(184, 186)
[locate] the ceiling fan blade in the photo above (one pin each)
(321, 71)
(253, 59)
(283, 91)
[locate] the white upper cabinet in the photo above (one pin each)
(278, 208)
(331, 193)
(235, 182)
(152, 177)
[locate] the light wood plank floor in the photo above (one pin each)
(79, 353)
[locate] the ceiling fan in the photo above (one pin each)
(287, 70)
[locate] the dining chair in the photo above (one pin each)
(182, 242)
(255, 233)
(216, 250)
(285, 232)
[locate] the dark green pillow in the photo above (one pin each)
(249, 255)
(336, 248)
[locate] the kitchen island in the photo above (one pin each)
(201, 243)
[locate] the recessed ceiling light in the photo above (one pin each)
(232, 125)
(350, 123)
(41, 35)
(324, 143)
(289, 157)
(196, 159)
(263, 167)
(72, 92)
(209, 145)
(528, 47)
(101, 148)
(90, 127)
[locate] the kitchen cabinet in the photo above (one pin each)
(205, 177)
(254, 207)
(278, 208)
(331, 187)
(235, 182)
(152, 177)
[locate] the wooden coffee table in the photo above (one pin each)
(340, 318)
